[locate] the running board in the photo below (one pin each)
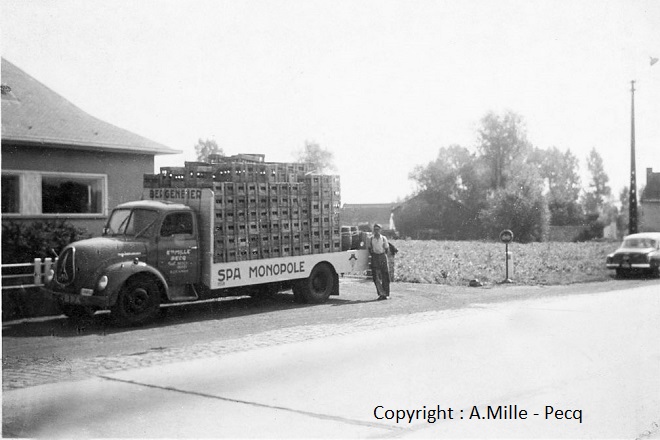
(184, 292)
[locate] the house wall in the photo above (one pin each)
(649, 218)
(124, 177)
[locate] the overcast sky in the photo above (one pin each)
(382, 84)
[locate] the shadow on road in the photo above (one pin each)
(102, 322)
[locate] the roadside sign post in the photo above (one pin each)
(506, 237)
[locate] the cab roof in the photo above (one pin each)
(155, 204)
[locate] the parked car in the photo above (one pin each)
(638, 253)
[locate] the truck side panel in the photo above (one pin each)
(245, 273)
(249, 272)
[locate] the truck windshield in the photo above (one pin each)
(132, 222)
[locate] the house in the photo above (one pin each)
(59, 162)
(649, 206)
(366, 214)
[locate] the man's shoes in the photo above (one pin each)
(381, 297)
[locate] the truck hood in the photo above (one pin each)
(80, 263)
(108, 248)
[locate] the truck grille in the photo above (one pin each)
(630, 258)
(66, 268)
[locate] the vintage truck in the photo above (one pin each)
(230, 238)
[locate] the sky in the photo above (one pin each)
(381, 84)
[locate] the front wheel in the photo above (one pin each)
(318, 287)
(138, 302)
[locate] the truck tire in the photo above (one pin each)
(318, 287)
(138, 302)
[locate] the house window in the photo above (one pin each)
(71, 195)
(10, 194)
(36, 193)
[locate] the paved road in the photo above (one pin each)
(48, 350)
(324, 375)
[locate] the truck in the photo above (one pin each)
(233, 226)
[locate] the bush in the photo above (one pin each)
(23, 242)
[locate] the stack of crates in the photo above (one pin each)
(263, 209)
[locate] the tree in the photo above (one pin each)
(520, 207)
(598, 193)
(205, 148)
(560, 172)
(322, 159)
(502, 142)
(452, 187)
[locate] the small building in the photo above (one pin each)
(59, 162)
(366, 214)
(649, 206)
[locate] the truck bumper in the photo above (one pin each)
(629, 266)
(102, 302)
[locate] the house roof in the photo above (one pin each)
(33, 114)
(359, 213)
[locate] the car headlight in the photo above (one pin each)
(50, 275)
(103, 283)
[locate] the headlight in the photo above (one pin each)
(103, 283)
(50, 275)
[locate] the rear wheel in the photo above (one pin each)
(318, 287)
(138, 302)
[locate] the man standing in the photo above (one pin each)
(378, 248)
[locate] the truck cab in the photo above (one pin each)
(149, 252)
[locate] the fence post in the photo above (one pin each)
(48, 263)
(37, 271)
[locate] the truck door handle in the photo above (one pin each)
(193, 248)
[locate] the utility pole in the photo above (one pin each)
(632, 209)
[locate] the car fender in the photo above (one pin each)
(118, 273)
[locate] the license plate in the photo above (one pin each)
(71, 299)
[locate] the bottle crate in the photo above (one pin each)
(151, 181)
(253, 215)
(242, 241)
(215, 158)
(240, 215)
(243, 254)
(285, 250)
(173, 177)
(275, 226)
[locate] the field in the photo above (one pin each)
(455, 263)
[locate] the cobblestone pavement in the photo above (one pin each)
(29, 358)
(25, 372)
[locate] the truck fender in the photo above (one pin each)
(119, 272)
